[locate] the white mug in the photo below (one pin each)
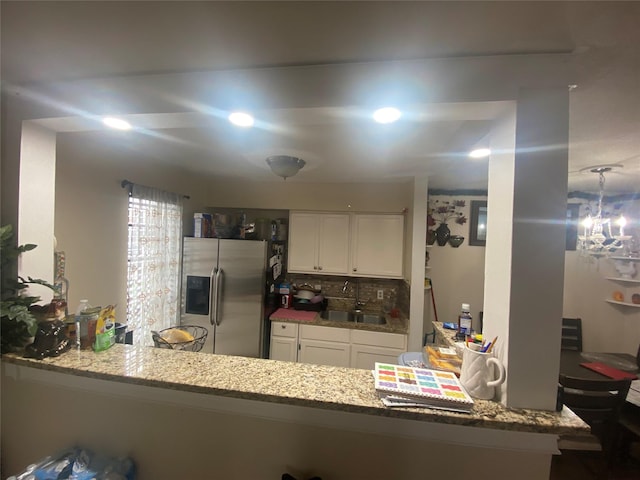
(477, 375)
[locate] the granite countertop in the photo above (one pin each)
(394, 324)
(330, 388)
(449, 336)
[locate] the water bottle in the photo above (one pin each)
(80, 328)
(465, 320)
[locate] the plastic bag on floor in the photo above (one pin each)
(79, 464)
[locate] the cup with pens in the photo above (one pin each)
(481, 371)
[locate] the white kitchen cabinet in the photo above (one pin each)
(320, 352)
(366, 356)
(367, 348)
(284, 341)
(377, 243)
(338, 347)
(324, 345)
(319, 243)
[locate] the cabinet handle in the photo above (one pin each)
(355, 269)
(315, 268)
(283, 326)
(319, 268)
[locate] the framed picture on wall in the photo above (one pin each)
(478, 223)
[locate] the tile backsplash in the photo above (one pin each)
(396, 292)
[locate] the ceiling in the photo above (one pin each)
(61, 41)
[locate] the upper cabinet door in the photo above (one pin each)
(304, 232)
(333, 245)
(377, 245)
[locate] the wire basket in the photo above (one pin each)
(198, 333)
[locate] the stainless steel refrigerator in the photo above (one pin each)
(224, 283)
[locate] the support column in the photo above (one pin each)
(524, 262)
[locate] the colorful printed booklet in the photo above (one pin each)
(401, 386)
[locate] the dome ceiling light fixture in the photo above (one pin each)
(285, 165)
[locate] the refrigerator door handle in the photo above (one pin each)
(217, 287)
(213, 301)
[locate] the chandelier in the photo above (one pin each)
(602, 234)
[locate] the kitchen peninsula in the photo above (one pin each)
(180, 413)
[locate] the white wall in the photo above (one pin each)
(37, 170)
(171, 440)
(606, 327)
(91, 212)
(457, 274)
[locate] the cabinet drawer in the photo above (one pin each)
(330, 334)
(284, 329)
(379, 339)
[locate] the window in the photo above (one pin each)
(154, 258)
(478, 223)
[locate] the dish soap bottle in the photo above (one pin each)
(465, 320)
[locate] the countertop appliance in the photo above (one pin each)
(227, 287)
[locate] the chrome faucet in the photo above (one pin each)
(358, 304)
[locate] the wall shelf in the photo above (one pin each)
(624, 280)
(636, 305)
(630, 259)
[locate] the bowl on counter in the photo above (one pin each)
(305, 294)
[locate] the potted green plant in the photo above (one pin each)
(18, 324)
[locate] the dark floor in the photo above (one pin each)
(586, 465)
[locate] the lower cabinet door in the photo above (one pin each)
(322, 352)
(365, 356)
(284, 348)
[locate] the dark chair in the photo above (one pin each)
(598, 403)
(630, 423)
(572, 334)
(431, 334)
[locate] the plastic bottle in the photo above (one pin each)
(80, 328)
(465, 320)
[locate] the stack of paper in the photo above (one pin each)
(401, 386)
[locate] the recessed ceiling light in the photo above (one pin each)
(116, 123)
(241, 119)
(386, 115)
(480, 153)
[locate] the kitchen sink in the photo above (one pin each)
(357, 317)
(337, 316)
(371, 318)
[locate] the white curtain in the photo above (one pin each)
(155, 256)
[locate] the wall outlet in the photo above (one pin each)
(380, 295)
